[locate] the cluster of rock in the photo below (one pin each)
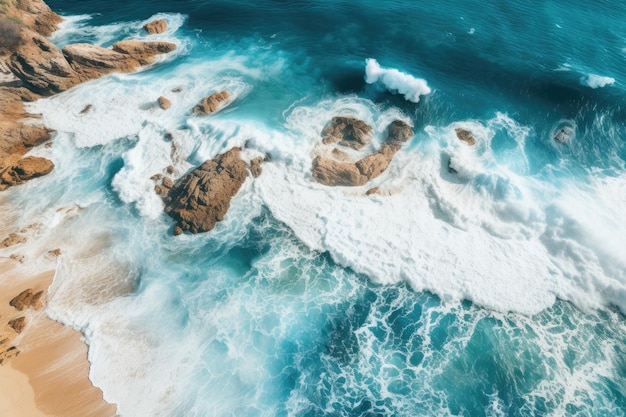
(354, 133)
(32, 67)
(200, 199)
(25, 300)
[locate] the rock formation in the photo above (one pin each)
(156, 26)
(255, 166)
(212, 103)
(164, 103)
(26, 299)
(18, 324)
(465, 136)
(335, 172)
(40, 69)
(12, 239)
(201, 198)
(347, 131)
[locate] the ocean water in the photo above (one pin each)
(497, 290)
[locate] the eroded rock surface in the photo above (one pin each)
(156, 26)
(23, 169)
(26, 299)
(347, 131)
(212, 103)
(335, 172)
(201, 198)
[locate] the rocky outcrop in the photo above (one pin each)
(27, 299)
(24, 169)
(164, 103)
(156, 26)
(40, 69)
(465, 136)
(335, 172)
(347, 131)
(564, 134)
(212, 103)
(201, 198)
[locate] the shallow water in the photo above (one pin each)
(498, 290)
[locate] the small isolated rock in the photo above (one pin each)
(156, 26)
(465, 136)
(169, 169)
(177, 90)
(178, 231)
(340, 155)
(156, 177)
(56, 252)
(212, 103)
(48, 145)
(255, 166)
(164, 103)
(27, 299)
(17, 257)
(375, 190)
(10, 353)
(86, 109)
(12, 239)
(18, 324)
(169, 136)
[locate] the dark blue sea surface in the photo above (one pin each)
(268, 316)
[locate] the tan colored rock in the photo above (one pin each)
(34, 14)
(13, 239)
(164, 103)
(24, 169)
(8, 354)
(156, 26)
(86, 109)
(18, 324)
(371, 191)
(144, 52)
(201, 198)
(156, 177)
(345, 173)
(168, 183)
(55, 252)
(255, 166)
(330, 172)
(169, 169)
(212, 103)
(41, 66)
(465, 136)
(23, 300)
(347, 131)
(26, 299)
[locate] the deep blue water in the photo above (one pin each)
(249, 320)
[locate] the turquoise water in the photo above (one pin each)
(495, 291)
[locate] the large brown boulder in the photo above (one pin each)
(24, 169)
(41, 66)
(399, 132)
(201, 198)
(348, 131)
(212, 103)
(156, 26)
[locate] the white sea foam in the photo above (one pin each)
(596, 81)
(410, 87)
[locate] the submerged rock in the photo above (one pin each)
(347, 131)
(13, 239)
(156, 26)
(564, 134)
(201, 198)
(465, 136)
(212, 103)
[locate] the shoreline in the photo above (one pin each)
(50, 375)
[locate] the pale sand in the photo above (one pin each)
(52, 368)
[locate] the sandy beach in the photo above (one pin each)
(50, 376)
